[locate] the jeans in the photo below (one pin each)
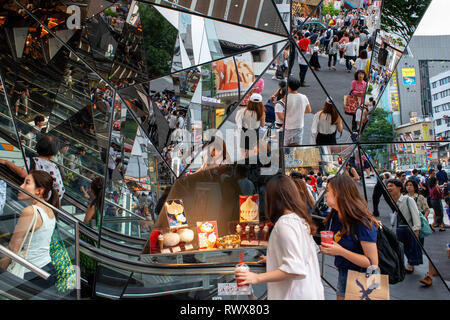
(412, 249)
(303, 71)
(348, 64)
(332, 57)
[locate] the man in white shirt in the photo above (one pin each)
(296, 107)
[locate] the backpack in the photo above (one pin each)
(328, 35)
(391, 259)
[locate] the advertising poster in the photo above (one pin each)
(207, 234)
(249, 208)
(175, 214)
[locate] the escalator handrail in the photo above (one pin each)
(108, 232)
(186, 269)
(25, 263)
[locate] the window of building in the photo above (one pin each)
(438, 122)
(434, 84)
(436, 109)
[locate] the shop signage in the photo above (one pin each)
(409, 76)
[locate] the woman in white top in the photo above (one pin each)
(350, 53)
(326, 124)
(40, 184)
(361, 62)
(293, 271)
(249, 120)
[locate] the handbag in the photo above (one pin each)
(65, 272)
(366, 286)
(14, 267)
(425, 229)
(351, 104)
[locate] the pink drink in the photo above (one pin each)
(326, 236)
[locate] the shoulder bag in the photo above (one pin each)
(14, 267)
(65, 272)
(425, 229)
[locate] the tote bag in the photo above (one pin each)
(14, 267)
(351, 104)
(65, 272)
(360, 286)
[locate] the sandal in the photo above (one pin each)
(409, 269)
(427, 281)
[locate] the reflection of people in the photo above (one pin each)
(314, 61)
(326, 124)
(39, 184)
(297, 106)
(249, 120)
(293, 271)
(47, 148)
(409, 216)
(348, 207)
(303, 190)
(246, 186)
(93, 210)
(351, 171)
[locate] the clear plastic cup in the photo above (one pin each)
(326, 236)
(242, 266)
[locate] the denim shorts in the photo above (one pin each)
(293, 136)
(342, 282)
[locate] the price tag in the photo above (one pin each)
(165, 251)
(188, 246)
(176, 249)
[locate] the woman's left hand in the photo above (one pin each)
(245, 277)
(333, 249)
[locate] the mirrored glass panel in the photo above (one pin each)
(312, 117)
(391, 40)
(136, 180)
(413, 172)
(412, 111)
(258, 14)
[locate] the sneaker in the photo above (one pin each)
(334, 68)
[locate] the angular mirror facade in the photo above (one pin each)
(396, 31)
(338, 46)
(412, 111)
(284, 8)
(137, 177)
(202, 40)
(312, 117)
(257, 14)
(417, 171)
(305, 10)
(315, 165)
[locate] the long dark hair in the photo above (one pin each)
(328, 108)
(44, 180)
(303, 190)
(258, 107)
(280, 196)
(97, 189)
(352, 206)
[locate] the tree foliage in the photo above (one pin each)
(401, 17)
(378, 128)
(159, 41)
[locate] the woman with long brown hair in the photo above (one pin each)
(249, 120)
(326, 124)
(349, 209)
(302, 188)
(35, 226)
(292, 265)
